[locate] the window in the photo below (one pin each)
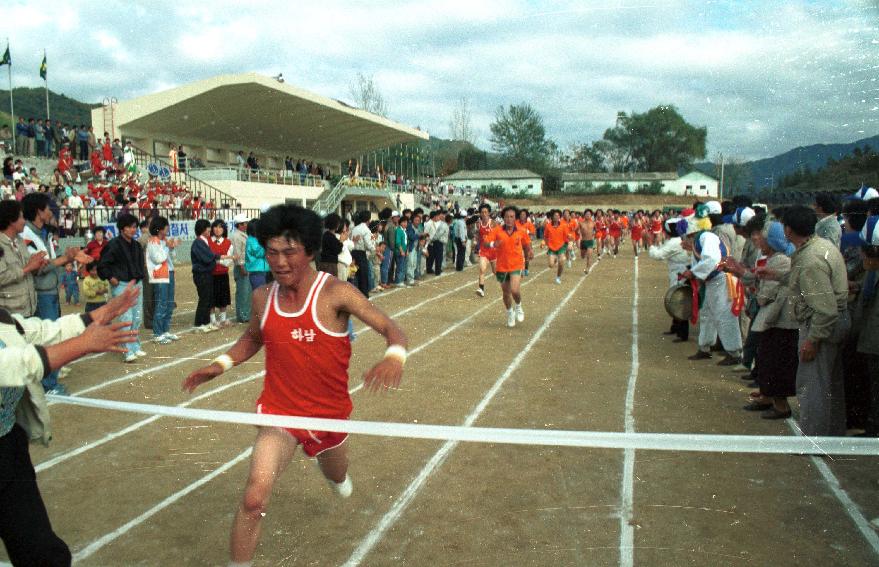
(531, 186)
(515, 186)
(703, 187)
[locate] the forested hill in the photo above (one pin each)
(759, 173)
(31, 103)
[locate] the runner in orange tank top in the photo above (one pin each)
(302, 320)
(487, 256)
(513, 247)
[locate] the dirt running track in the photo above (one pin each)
(161, 491)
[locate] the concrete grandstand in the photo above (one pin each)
(216, 118)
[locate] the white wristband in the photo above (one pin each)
(225, 361)
(398, 352)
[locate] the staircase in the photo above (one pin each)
(329, 201)
(208, 192)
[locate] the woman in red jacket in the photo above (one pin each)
(220, 244)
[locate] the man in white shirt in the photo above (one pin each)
(438, 242)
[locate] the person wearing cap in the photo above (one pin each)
(239, 271)
(827, 208)
(819, 290)
(716, 314)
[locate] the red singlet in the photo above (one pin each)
(306, 364)
(485, 251)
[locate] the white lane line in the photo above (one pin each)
(627, 532)
(854, 512)
(201, 354)
(45, 465)
(122, 530)
(112, 536)
(390, 518)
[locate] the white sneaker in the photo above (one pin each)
(172, 336)
(140, 354)
(570, 263)
(558, 280)
(207, 328)
(344, 488)
(511, 318)
(520, 313)
(129, 358)
(480, 292)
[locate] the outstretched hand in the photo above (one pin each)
(384, 375)
(108, 338)
(200, 376)
(116, 306)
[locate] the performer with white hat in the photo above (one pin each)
(717, 291)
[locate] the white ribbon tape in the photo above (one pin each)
(595, 439)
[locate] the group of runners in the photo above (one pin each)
(593, 233)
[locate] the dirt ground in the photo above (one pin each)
(126, 489)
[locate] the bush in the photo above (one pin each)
(655, 188)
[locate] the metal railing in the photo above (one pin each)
(208, 192)
(278, 177)
(76, 221)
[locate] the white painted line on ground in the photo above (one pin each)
(203, 353)
(854, 512)
(112, 536)
(122, 530)
(390, 518)
(627, 532)
(45, 465)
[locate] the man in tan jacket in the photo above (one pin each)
(819, 289)
(17, 263)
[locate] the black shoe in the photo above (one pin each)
(757, 406)
(669, 332)
(730, 361)
(773, 413)
(700, 355)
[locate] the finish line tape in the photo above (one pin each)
(592, 439)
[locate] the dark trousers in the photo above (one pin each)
(362, 275)
(437, 251)
(149, 304)
(857, 384)
(83, 151)
(460, 248)
(681, 328)
(204, 286)
(24, 523)
(872, 420)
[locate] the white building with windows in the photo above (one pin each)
(510, 180)
(694, 183)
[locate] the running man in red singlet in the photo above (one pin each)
(302, 320)
(487, 256)
(615, 231)
(524, 223)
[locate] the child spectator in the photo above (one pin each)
(70, 283)
(95, 291)
(221, 246)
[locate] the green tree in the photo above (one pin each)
(657, 140)
(519, 136)
(586, 158)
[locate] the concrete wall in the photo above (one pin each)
(256, 195)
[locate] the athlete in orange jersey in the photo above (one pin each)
(513, 247)
(637, 233)
(302, 320)
(555, 236)
(573, 236)
(487, 256)
(615, 231)
(600, 232)
(524, 223)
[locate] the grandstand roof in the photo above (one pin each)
(259, 113)
(487, 174)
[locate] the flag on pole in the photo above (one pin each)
(43, 68)
(7, 59)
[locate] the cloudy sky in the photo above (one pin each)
(764, 77)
